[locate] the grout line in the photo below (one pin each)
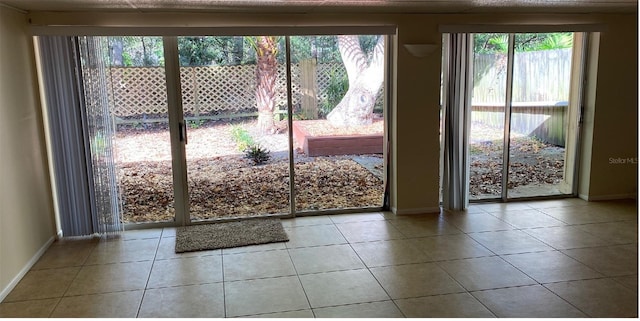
(300, 281)
(224, 289)
(371, 273)
(144, 290)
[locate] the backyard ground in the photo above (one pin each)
(533, 164)
(222, 183)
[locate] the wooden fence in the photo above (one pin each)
(541, 82)
(543, 120)
(537, 76)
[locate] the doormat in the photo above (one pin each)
(229, 234)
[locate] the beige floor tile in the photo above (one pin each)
(554, 266)
(369, 231)
(169, 232)
(64, 256)
(106, 278)
(383, 309)
(601, 298)
(415, 280)
(43, 284)
(566, 202)
(256, 248)
(528, 219)
(264, 296)
(414, 227)
(186, 271)
(615, 260)
(614, 232)
(629, 281)
(142, 234)
(578, 214)
(167, 250)
(619, 208)
(192, 301)
(300, 314)
(450, 247)
(533, 301)
(119, 251)
(482, 222)
(107, 305)
(392, 252)
(344, 287)
(459, 305)
(501, 207)
(356, 217)
(475, 209)
(306, 221)
(485, 273)
(325, 259)
(28, 309)
(565, 237)
(255, 265)
(314, 236)
(509, 242)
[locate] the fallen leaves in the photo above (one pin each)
(230, 187)
(532, 162)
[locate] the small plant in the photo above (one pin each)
(257, 154)
(242, 137)
(193, 124)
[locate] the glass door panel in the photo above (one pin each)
(234, 106)
(338, 121)
(486, 134)
(137, 94)
(539, 112)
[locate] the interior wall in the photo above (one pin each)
(26, 210)
(415, 163)
(614, 150)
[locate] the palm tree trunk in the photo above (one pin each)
(266, 73)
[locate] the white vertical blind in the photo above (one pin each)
(457, 112)
(100, 128)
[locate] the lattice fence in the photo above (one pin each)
(140, 92)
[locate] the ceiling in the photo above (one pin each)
(331, 6)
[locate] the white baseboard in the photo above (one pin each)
(410, 211)
(608, 197)
(25, 269)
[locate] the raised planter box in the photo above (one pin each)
(339, 144)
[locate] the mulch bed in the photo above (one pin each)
(232, 187)
(532, 162)
(224, 184)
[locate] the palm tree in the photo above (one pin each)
(266, 74)
(365, 80)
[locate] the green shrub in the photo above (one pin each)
(336, 89)
(257, 154)
(242, 137)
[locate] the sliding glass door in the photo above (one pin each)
(511, 114)
(521, 108)
(226, 127)
(234, 106)
(338, 121)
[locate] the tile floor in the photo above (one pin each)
(559, 258)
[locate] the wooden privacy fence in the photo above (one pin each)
(541, 82)
(537, 76)
(543, 120)
(139, 93)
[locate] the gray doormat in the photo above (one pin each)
(229, 234)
